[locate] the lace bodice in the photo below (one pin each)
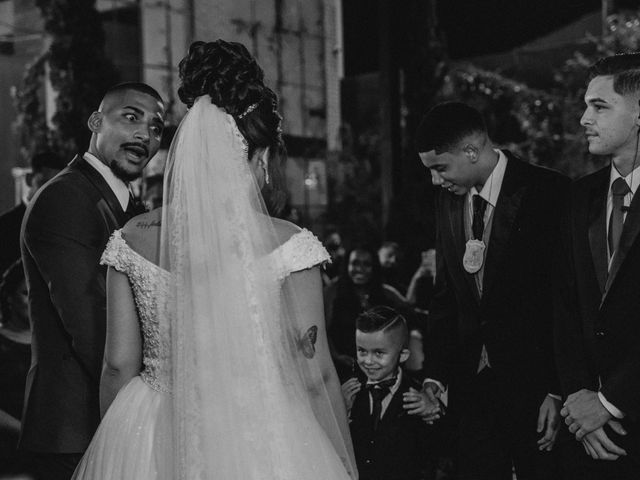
(148, 281)
(303, 250)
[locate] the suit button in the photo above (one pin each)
(368, 461)
(371, 442)
(600, 333)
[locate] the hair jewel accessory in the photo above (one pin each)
(249, 109)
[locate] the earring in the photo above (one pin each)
(265, 166)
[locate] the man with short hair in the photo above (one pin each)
(598, 319)
(497, 225)
(65, 230)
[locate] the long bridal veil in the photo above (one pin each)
(243, 392)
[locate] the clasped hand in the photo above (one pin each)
(585, 415)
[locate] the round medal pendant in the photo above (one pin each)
(473, 255)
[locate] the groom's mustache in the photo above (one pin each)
(139, 148)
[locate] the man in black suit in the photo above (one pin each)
(65, 230)
(44, 166)
(491, 342)
(598, 321)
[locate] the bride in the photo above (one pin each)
(216, 361)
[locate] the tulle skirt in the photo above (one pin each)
(133, 440)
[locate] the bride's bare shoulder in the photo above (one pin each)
(142, 233)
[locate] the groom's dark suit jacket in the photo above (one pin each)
(598, 314)
(65, 230)
(513, 317)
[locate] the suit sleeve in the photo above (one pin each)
(442, 332)
(622, 388)
(571, 358)
(64, 235)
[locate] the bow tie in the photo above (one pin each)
(384, 384)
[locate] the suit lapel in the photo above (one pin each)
(629, 234)
(102, 186)
(455, 205)
(598, 227)
(504, 215)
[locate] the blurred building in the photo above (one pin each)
(297, 42)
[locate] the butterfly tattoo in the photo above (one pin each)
(307, 342)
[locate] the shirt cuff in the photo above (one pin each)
(554, 396)
(613, 410)
(439, 384)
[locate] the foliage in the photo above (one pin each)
(31, 119)
(525, 120)
(543, 126)
(621, 36)
(79, 73)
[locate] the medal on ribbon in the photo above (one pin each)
(473, 255)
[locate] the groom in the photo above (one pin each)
(64, 232)
(491, 344)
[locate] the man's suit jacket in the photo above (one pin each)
(513, 317)
(398, 448)
(65, 230)
(598, 313)
(10, 222)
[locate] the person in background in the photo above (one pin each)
(390, 257)
(357, 289)
(333, 244)
(15, 357)
(44, 166)
(420, 290)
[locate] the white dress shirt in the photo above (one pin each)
(386, 400)
(119, 188)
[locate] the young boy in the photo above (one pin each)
(389, 435)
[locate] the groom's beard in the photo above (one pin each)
(122, 173)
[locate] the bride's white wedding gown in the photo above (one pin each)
(134, 439)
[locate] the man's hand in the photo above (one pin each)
(600, 447)
(349, 390)
(548, 422)
(418, 403)
(431, 392)
(584, 413)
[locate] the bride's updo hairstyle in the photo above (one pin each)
(228, 73)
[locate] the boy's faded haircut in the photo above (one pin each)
(383, 319)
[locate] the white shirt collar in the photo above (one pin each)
(491, 188)
(396, 385)
(633, 179)
(119, 188)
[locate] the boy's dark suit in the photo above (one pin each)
(598, 315)
(65, 230)
(498, 407)
(398, 448)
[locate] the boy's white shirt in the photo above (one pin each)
(386, 400)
